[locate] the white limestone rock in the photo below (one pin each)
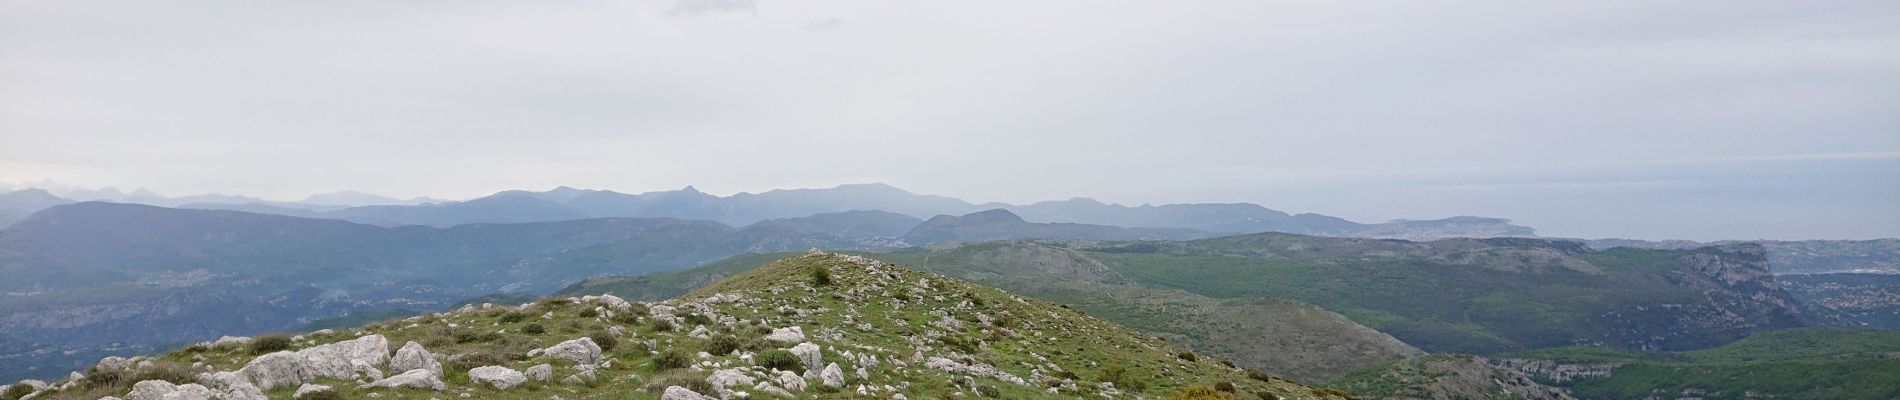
(498, 376)
(335, 360)
(413, 356)
(680, 393)
(162, 390)
(415, 378)
(832, 377)
(310, 389)
(272, 370)
(580, 351)
(791, 381)
(810, 354)
(540, 373)
(787, 335)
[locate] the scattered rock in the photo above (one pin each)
(540, 373)
(833, 376)
(810, 354)
(791, 381)
(498, 376)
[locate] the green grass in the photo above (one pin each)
(1808, 363)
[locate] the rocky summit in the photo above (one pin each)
(817, 325)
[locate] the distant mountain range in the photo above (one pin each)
(565, 203)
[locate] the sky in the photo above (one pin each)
(1741, 119)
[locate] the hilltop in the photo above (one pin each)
(817, 325)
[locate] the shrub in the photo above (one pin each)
(589, 313)
(534, 329)
(1186, 356)
(554, 302)
(469, 336)
(16, 391)
(697, 319)
(331, 394)
(470, 361)
(513, 317)
(820, 276)
(1067, 374)
(661, 325)
(269, 344)
(1266, 395)
(1122, 379)
(1200, 392)
(1227, 362)
(1259, 375)
(723, 345)
(780, 360)
(605, 340)
(670, 359)
(1224, 386)
(989, 391)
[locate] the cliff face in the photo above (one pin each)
(1738, 295)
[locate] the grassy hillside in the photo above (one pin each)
(886, 330)
(1808, 363)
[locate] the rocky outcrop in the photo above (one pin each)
(273, 370)
(162, 390)
(540, 373)
(832, 377)
(347, 359)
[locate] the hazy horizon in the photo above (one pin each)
(1683, 120)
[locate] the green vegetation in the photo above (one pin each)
(779, 359)
(1812, 363)
(270, 343)
(356, 319)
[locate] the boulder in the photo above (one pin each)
(231, 386)
(413, 356)
(680, 393)
(338, 360)
(272, 370)
(580, 351)
(415, 379)
(498, 376)
(310, 389)
(226, 342)
(540, 373)
(767, 387)
(162, 390)
(729, 378)
(833, 376)
(810, 354)
(787, 335)
(791, 381)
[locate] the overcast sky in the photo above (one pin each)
(1647, 119)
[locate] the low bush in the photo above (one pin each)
(1259, 375)
(1123, 379)
(534, 329)
(820, 276)
(670, 359)
(605, 340)
(661, 325)
(1200, 392)
(1186, 356)
(1224, 386)
(723, 345)
(780, 360)
(270, 344)
(590, 313)
(513, 317)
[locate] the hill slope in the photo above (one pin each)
(865, 330)
(82, 277)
